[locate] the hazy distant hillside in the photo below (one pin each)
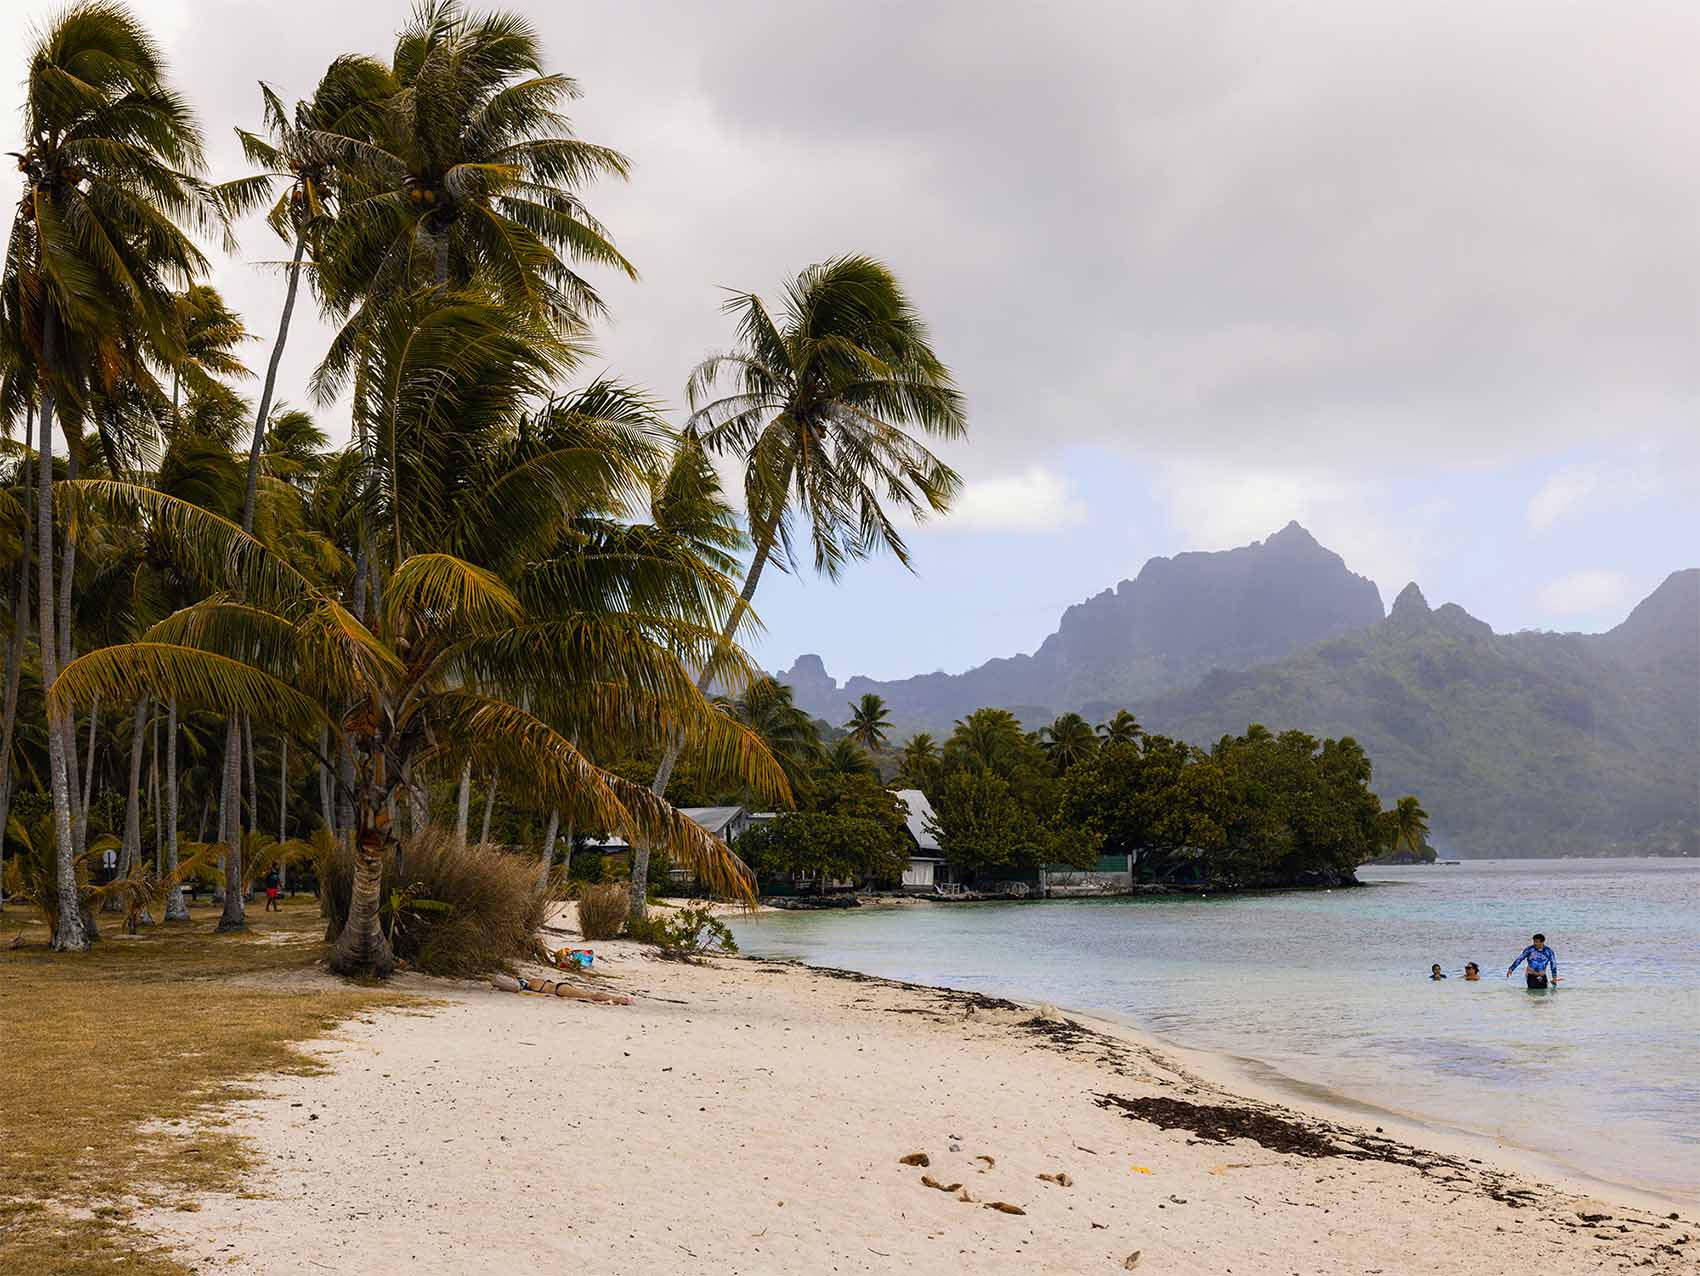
(1527, 743)
(1178, 619)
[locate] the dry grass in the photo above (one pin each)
(602, 910)
(111, 1061)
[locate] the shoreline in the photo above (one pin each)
(748, 1115)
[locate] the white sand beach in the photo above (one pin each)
(750, 1117)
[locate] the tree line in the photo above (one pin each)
(507, 579)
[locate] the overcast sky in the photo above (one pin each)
(1422, 275)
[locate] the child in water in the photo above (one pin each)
(1435, 972)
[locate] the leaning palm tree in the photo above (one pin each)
(470, 171)
(1068, 740)
(109, 163)
(766, 707)
(819, 405)
(1124, 728)
(869, 723)
(298, 176)
(440, 677)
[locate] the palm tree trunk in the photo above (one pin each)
(345, 788)
(489, 802)
(82, 832)
(463, 805)
(235, 915)
(548, 848)
(15, 665)
(664, 773)
(133, 800)
(175, 909)
(283, 807)
(251, 492)
(362, 947)
(252, 821)
(153, 796)
(68, 933)
(326, 803)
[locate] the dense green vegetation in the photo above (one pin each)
(1521, 744)
(507, 583)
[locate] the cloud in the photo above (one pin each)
(1216, 506)
(1561, 496)
(1586, 591)
(1035, 500)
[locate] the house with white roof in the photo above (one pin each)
(926, 861)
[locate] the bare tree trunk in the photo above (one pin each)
(326, 802)
(258, 446)
(283, 807)
(153, 795)
(88, 779)
(15, 665)
(489, 802)
(252, 821)
(68, 933)
(362, 947)
(235, 915)
(175, 909)
(664, 773)
(548, 849)
(133, 800)
(463, 804)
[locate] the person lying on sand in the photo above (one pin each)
(1434, 972)
(555, 987)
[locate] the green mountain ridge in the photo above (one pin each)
(1518, 744)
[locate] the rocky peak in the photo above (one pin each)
(1410, 608)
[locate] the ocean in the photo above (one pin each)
(1327, 994)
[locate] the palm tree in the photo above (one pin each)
(847, 758)
(441, 676)
(1408, 825)
(1068, 740)
(208, 333)
(470, 171)
(817, 413)
(109, 158)
(986, 740)
(297, 159)
(918, 761)
(766, 707)
(1124, 728)
(869, 722)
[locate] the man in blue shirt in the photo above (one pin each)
(1542, 961)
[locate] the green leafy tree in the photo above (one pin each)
(821, 846)
(846, 757)
(984, 830)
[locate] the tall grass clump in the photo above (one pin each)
(460, 911)
(602, 910)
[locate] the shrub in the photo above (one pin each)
(684, 932)
(602, 910)
(448, 910)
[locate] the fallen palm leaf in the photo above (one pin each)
(927, 1180)
(990, 1161)
(964, 1197)
(1061, 1179)
(1004, 1207)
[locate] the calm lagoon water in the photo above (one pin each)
(1330, 990)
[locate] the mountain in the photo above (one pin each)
(1522, 744)
(1177, 620)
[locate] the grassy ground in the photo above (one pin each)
(110, 1062)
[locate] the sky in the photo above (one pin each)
(1423, 275)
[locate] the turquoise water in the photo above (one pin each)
(1330, 989)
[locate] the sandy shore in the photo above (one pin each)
(749, 1117)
